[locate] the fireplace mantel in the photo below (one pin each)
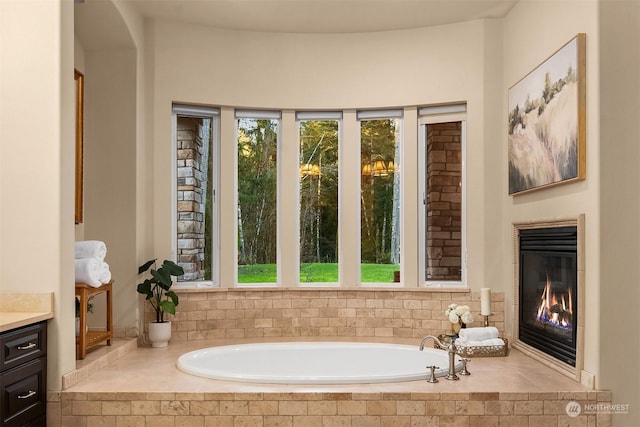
(574, 372)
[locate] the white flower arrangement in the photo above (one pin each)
(457, 313)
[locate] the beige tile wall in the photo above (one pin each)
(239, 313)
(300, 312)
(323, 409)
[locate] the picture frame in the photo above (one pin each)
(79, 161)
(547, 121)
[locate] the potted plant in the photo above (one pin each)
(89, 310)
(157, 290)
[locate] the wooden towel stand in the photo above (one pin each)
(88, 339)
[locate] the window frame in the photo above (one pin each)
(203, 112)
(431, 115)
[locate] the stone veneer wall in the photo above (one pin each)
(444, 201)
(335, 312)
(193, 157)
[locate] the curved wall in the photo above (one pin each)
(266, 70)
(196, 64)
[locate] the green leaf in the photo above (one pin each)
(144, 267)
(173, 296)
(162, 276)
(173, 268)
(168, 306)
(145, 287)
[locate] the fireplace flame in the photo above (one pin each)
(555, 309)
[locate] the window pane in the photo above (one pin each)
(379, 200)
(444, 202)
(319, 201)
(195, 172)
(257, 197)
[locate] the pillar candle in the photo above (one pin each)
(485, 301)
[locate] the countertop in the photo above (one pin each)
(24, 308)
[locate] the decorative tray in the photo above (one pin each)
(475, 351)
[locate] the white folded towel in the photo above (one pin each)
(89, 271)
(105, 277)
(483, 343)
(477, 334)
(90, 249)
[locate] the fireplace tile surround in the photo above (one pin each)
(575, 372)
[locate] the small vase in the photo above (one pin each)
(455, 327)
(159, 334)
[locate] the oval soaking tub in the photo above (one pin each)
(315, 362)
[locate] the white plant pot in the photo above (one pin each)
(78, 327)
(159, 334)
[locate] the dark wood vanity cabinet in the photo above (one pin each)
(23, 376)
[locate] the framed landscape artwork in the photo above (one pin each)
(547, 121)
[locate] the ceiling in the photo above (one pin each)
(322, 16)
(99, 26)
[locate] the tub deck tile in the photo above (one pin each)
(514, 390)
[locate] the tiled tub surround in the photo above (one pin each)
(143, 386)
(305, 312)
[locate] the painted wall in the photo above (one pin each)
(619, 158)
(532, 32)
(475, 61)
(37, 163)
(195, 64)
(110, 45)
(110, 172)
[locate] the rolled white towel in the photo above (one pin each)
(89, 270)
(478, 334)
(483, 343)
(105, 277)
(90, 249)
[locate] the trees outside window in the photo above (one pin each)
(319, 141)
(257, 180)
(379, 199)
(309, 218)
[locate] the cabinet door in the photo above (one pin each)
(23, 344)
(23, 393)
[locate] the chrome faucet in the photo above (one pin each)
(451, 350)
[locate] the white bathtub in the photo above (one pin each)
(315, 362)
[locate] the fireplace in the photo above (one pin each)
(548, 291)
